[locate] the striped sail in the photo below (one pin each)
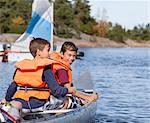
(40, 26)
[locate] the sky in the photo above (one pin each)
(128, 13)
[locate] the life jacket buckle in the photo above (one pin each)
(26, 89)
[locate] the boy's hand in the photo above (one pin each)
(72, 90)
(3, 101)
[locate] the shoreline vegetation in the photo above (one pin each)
(73, 21)
(84, 41)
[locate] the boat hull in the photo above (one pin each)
(85, 114)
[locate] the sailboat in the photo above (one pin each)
(40, 26)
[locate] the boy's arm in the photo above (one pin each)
(62, 74)
(55, 88)
(82, 95)
(78, 93)
(63, 77)
(11, 91)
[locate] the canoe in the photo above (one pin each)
(84, 114)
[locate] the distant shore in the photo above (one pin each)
(85, 41)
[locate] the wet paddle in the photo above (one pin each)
(84, 82)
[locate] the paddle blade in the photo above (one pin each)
(84, 81)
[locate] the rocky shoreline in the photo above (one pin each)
(85, 41)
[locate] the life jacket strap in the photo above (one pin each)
(31, 88)
(29, 106)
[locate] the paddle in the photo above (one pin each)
(8, 115)
(13, 51)
(84, 82)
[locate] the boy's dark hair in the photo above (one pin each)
(68, 46)
(37, 43)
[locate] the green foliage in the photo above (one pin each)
(63, 18)
(71, 18)
(116, 33)
(82, 19)
(11, 9)
(140, 32)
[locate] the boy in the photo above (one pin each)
(34, 82)
(63, 73)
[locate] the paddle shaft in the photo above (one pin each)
(11, 117)
(13, 51)
(2, 53)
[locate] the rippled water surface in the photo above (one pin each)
(121, 76)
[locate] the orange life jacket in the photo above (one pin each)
(62, 64)
(29, 74)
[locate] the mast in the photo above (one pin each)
(52, 28)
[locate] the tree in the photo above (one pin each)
(140, 32)
(82, 19)
(12, 11)
(117, 33)
(63, 18)
(102, 26)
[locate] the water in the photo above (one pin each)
(121, 76)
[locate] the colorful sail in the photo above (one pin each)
(40, 26)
